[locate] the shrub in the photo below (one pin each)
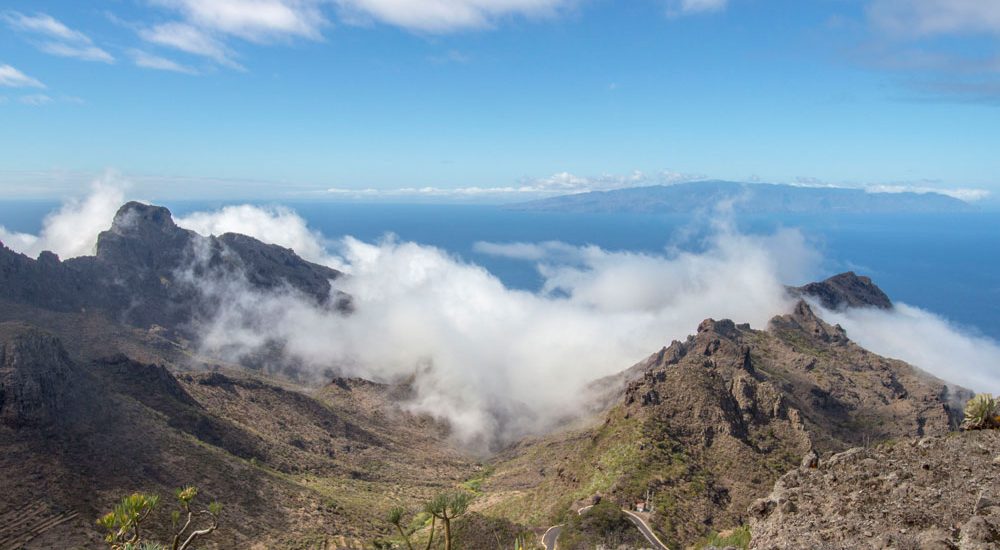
(124, 523)
(981, 413)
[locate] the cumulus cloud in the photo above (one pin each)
(927, 341)
(498, 363)
(59, 39)
(72, 230)
(13, 78)
(446, 15)
(271, 224)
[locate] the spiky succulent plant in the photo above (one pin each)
(981, 413)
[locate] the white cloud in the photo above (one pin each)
(562, 183)
(11, 77)
(935, 17)
(688, 7)
(72, 230)
(446, 15)
(43, 24)
(189, 39)
(275, 225)
(150, 61)
(35, 100)
(82, 52)
(255, 20)
(927, 341)
(964, 194)
(65, 42)
(499, 363)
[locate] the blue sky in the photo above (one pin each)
(470, 99)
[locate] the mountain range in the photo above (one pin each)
(103, 391)
(751, 198)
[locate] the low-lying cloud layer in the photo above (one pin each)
(498, 363)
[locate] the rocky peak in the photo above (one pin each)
(804, 321)
(142, 235)
(846, 290)
(133, 216)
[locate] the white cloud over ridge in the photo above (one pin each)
(926, 340)
(495, 362)
(72, 230)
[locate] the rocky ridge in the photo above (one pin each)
(706, 426)
(142, 270)
(930, 493)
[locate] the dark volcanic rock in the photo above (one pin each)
(36, 376)
(148, 271)
(846, 290)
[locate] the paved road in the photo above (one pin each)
(551, 536)
(646, 531)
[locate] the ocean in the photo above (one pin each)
(948, 264)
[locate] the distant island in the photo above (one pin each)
(757, 198)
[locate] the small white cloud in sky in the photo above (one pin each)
(149, 61)
(60, 39)
(438, 16)
(189, 39)
(36, 100)
(254, 20)
(13, 78)
(688, 7)
(936, 17)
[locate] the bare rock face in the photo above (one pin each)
(148, 271)
(932, 492)
(36, 377)
(846, 290)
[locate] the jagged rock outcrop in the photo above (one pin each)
(36, 377)
(935, 493)
(148, 271)
(706, 426)
(846, 290)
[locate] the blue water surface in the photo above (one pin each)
(946, 263)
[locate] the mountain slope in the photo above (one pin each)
(707, 425)
(756, 198)
(289, 468)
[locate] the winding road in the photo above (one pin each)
(551, 536)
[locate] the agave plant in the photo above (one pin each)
(981, 413)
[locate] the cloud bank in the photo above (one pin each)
(72, 230)
(926, 340)
(498, 363)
